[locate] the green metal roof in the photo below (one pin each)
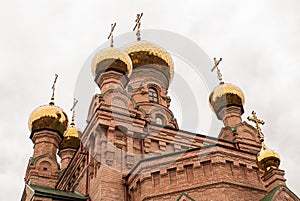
(185, 195)
(271, 194)
(57, 194)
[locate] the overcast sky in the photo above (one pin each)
(258, 40)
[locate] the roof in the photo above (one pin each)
(272, 193)
(57, 194)
(181, 152)
(184, 195)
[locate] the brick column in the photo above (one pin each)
(273, 178)
(111, 80)
(46, 142)
(231, 115)
(66, 155)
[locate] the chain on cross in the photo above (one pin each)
(257, 122)
(216, 66)
(53, 90)
(75, 101)
(110, 36)
(137, 26)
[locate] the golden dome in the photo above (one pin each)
(111, 58)
(226, 94)
(73, 132)
(71, 138)
(48, 116)
(153, 54)
(267, 159)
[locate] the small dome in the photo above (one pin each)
(111, 59)
(226, 94)
(145, 53)
(71, 138)
(48, 116)
(267, 159)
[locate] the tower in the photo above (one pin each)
(227, 101)
(132, 148)
(71, 141)
(153, 71)
(47, 124)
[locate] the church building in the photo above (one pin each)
(132, 148)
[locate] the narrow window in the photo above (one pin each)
(159, 120)
(172, 176)
(155, 179)
(189, 172)
(206, 165)
(153, 95)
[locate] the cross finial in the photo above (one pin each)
(75, 101)
(110, 36)
(257, 122)
(137, 26)
(216, 66)
(53, 90)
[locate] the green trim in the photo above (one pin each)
(186, 151)
(271, 194)
(43, 191)
(233, 129)
(32, 159)
(130, 87)
(186, 195)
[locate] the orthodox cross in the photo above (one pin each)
(75, 101)
(216, 66)
(137, 26)
(110, 36)
(257, 122)
(53, 90)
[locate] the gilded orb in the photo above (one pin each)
(267, 159)
(71, 138)
(145, 53)
(226, 94)
(48, 116)
(111, 59)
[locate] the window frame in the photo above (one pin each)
(153, 95)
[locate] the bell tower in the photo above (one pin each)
(153, 71)
(227, 101)
(47, 124)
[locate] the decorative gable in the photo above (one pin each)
(280, 193)
(185, 197)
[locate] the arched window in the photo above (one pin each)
(159, 120)
(153, 95)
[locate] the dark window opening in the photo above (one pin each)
(153, 97)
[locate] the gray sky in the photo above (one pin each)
(258, 40)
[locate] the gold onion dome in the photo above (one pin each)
(267, 159)
(71, 138)
(48, 117)
(111, 59)
(225, 95)
(143, 53)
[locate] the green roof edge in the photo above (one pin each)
(68, 197)
(271, 194)
(186, 195)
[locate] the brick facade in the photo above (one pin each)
(133, 150)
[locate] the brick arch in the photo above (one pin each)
(44, 165)
(120, 96)
(155, 86)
